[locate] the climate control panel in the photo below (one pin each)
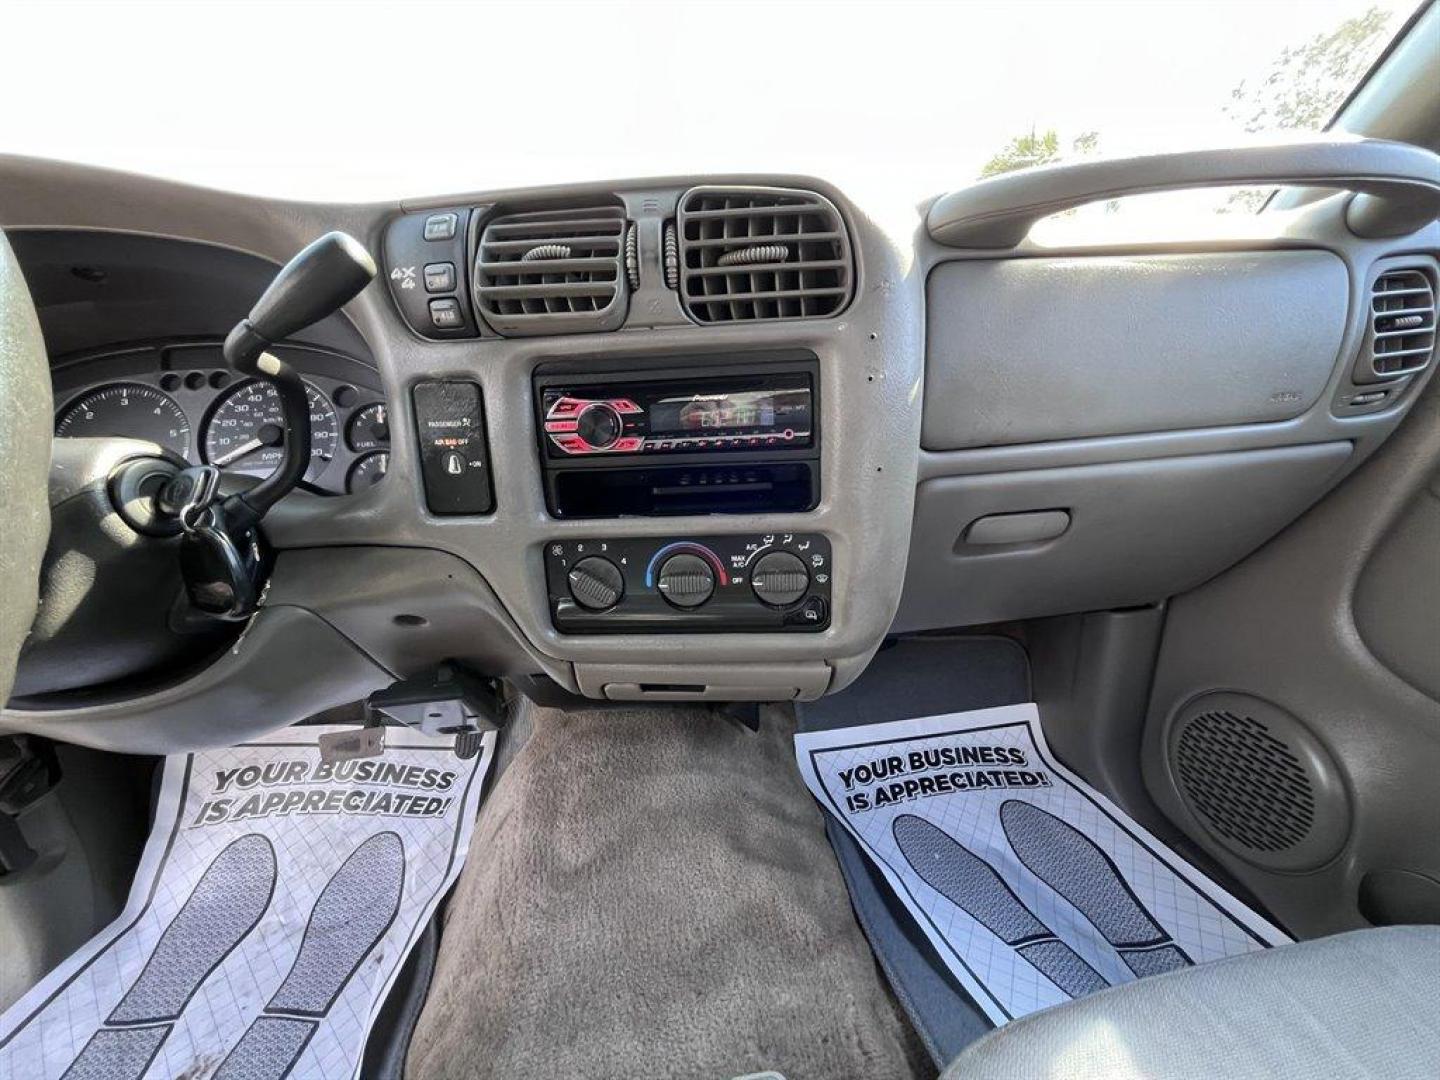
(765, 582)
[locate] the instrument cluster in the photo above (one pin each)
(185, 397)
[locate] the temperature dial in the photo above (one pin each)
(596, 583)
(780, 578)
(686, 580)
(367, 472)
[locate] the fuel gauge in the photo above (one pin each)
(369, 428)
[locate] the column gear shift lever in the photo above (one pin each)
(222, 557)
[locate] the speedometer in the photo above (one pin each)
(246, 430)
(130, 410)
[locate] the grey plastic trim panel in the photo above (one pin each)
(287, 665)
(1320, 226)
(1038, 349)
(1398, 184)
(1397, 599)
(409, 609)
(870, 358)
(1140, 531)
(1282, 625)
(703, 682)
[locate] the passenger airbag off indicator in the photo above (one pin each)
(454, 458)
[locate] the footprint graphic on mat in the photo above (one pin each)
(1074, 866)
(354, 909)
(228, 900)
(971, 883)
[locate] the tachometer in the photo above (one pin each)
(246, 430)
(128, 410)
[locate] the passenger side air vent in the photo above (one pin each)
(1402, 323)
(553, 271)
(750, 254)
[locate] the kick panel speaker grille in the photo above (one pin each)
(753, 254)
(1259, 780)
(1245, 782)
(553, 271)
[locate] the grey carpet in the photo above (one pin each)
(650, 893)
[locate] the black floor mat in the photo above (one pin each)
(918, 677)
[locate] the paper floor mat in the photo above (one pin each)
(275, 902)
(1033, 887)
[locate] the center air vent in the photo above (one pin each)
(762, 253)
(1402, 323)
(553, 271)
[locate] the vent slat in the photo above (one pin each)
(579, 290)
(803, 269)
(762, 268)
(549, 288)
(549, 226)
(501, 247)
(742, 212)
(547, 266)
(771, 294)
(783, 237)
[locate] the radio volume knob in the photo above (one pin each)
(779, 578)
(686, 580)
(599, 425)
(596, 583)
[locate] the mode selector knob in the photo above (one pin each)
(779, 578)
(686, 580)
(596, 583)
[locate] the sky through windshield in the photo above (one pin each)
(360, 101)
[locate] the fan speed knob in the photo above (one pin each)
(596, 583)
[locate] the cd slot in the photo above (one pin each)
(758, 487)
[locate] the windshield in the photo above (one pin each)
(361, 101)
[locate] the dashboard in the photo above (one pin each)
(184, 397)
(716, 437)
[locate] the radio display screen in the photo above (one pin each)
(731, 412)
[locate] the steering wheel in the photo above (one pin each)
(25, 433)
(130, 528)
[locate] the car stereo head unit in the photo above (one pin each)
(739, 412)
(691, 437)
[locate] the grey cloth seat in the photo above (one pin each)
(1362, 1004)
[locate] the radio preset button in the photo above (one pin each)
(565, 407)
(599, 425)
(687, 581)
(596, 584)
